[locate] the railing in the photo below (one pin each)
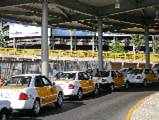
(69, 55)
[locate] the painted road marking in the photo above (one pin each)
(137, 105)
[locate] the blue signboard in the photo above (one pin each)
(66, 32)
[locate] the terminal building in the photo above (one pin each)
(25, 36)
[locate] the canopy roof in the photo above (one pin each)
(82, 14)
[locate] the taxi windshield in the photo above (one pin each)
(67, 76)
(19, 81)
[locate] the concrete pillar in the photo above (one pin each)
(147, 49)
(14, 42)
(100, 45)
(71, 42)
(93, 44)
(44, 42)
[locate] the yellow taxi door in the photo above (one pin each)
(84, 82)
(51, 90)
(153, 76)
(116, 79)
(41, 90)
(89, 81)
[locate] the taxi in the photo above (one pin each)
(141, 76)
(77, 83)
(31, 92)
(114, 78)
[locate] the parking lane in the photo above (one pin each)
(104, 107)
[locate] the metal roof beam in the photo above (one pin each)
(4, 3)
(127, 5)
(77, 5)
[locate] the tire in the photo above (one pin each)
(36, 107)
(59, 102)
(112, 87)
(79, 95)
(127, 85)
(4, 115)
(109, 89)
(96, 90)
(145, 83)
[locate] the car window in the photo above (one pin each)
(67, 76)
(39, 82)
(104, 73)
(113, 74)
(85, 76)
(82, 77)
(137, 71)
(19, 81)
(147, 71)
(46, 81)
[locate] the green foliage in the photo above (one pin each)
(117, 47)
(137, 41)
(2, 40)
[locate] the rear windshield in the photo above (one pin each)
(19, 81)
(102, 74)
(67, 76)
(137, 71)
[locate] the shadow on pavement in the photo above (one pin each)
(46, 111)
(139, 88)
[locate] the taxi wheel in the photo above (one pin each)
(145, 83)
(36, 107)
(79, 94)
(4, 115)
(96, 90)
(59, 101)
(127, 85)
(112, 87)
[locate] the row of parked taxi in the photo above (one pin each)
(33, 91)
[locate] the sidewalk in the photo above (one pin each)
(146, 109)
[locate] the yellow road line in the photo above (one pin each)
(137, 105)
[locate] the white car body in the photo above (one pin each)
(71, 86)
(140, 77)
(113, 78)
(13, 93)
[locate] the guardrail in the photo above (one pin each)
(71, 55)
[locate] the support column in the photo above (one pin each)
(44, 42)
(100, 45)
(93, 44)
(147, 49)
(14, 42)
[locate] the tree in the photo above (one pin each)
(2, 39)
(137, 41)
(155, 44)
(117, 47)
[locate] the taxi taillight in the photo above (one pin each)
(23, 96)
(138, 77)
(71, 86)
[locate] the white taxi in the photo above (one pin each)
(141, 76)
(77, 83)
(31, 92)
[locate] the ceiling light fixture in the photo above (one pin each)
(117, 4)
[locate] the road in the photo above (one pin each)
(112, 106)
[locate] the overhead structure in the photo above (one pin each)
(124, 16)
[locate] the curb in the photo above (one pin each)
(137, 105)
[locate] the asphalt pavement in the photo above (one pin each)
(113, 106)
